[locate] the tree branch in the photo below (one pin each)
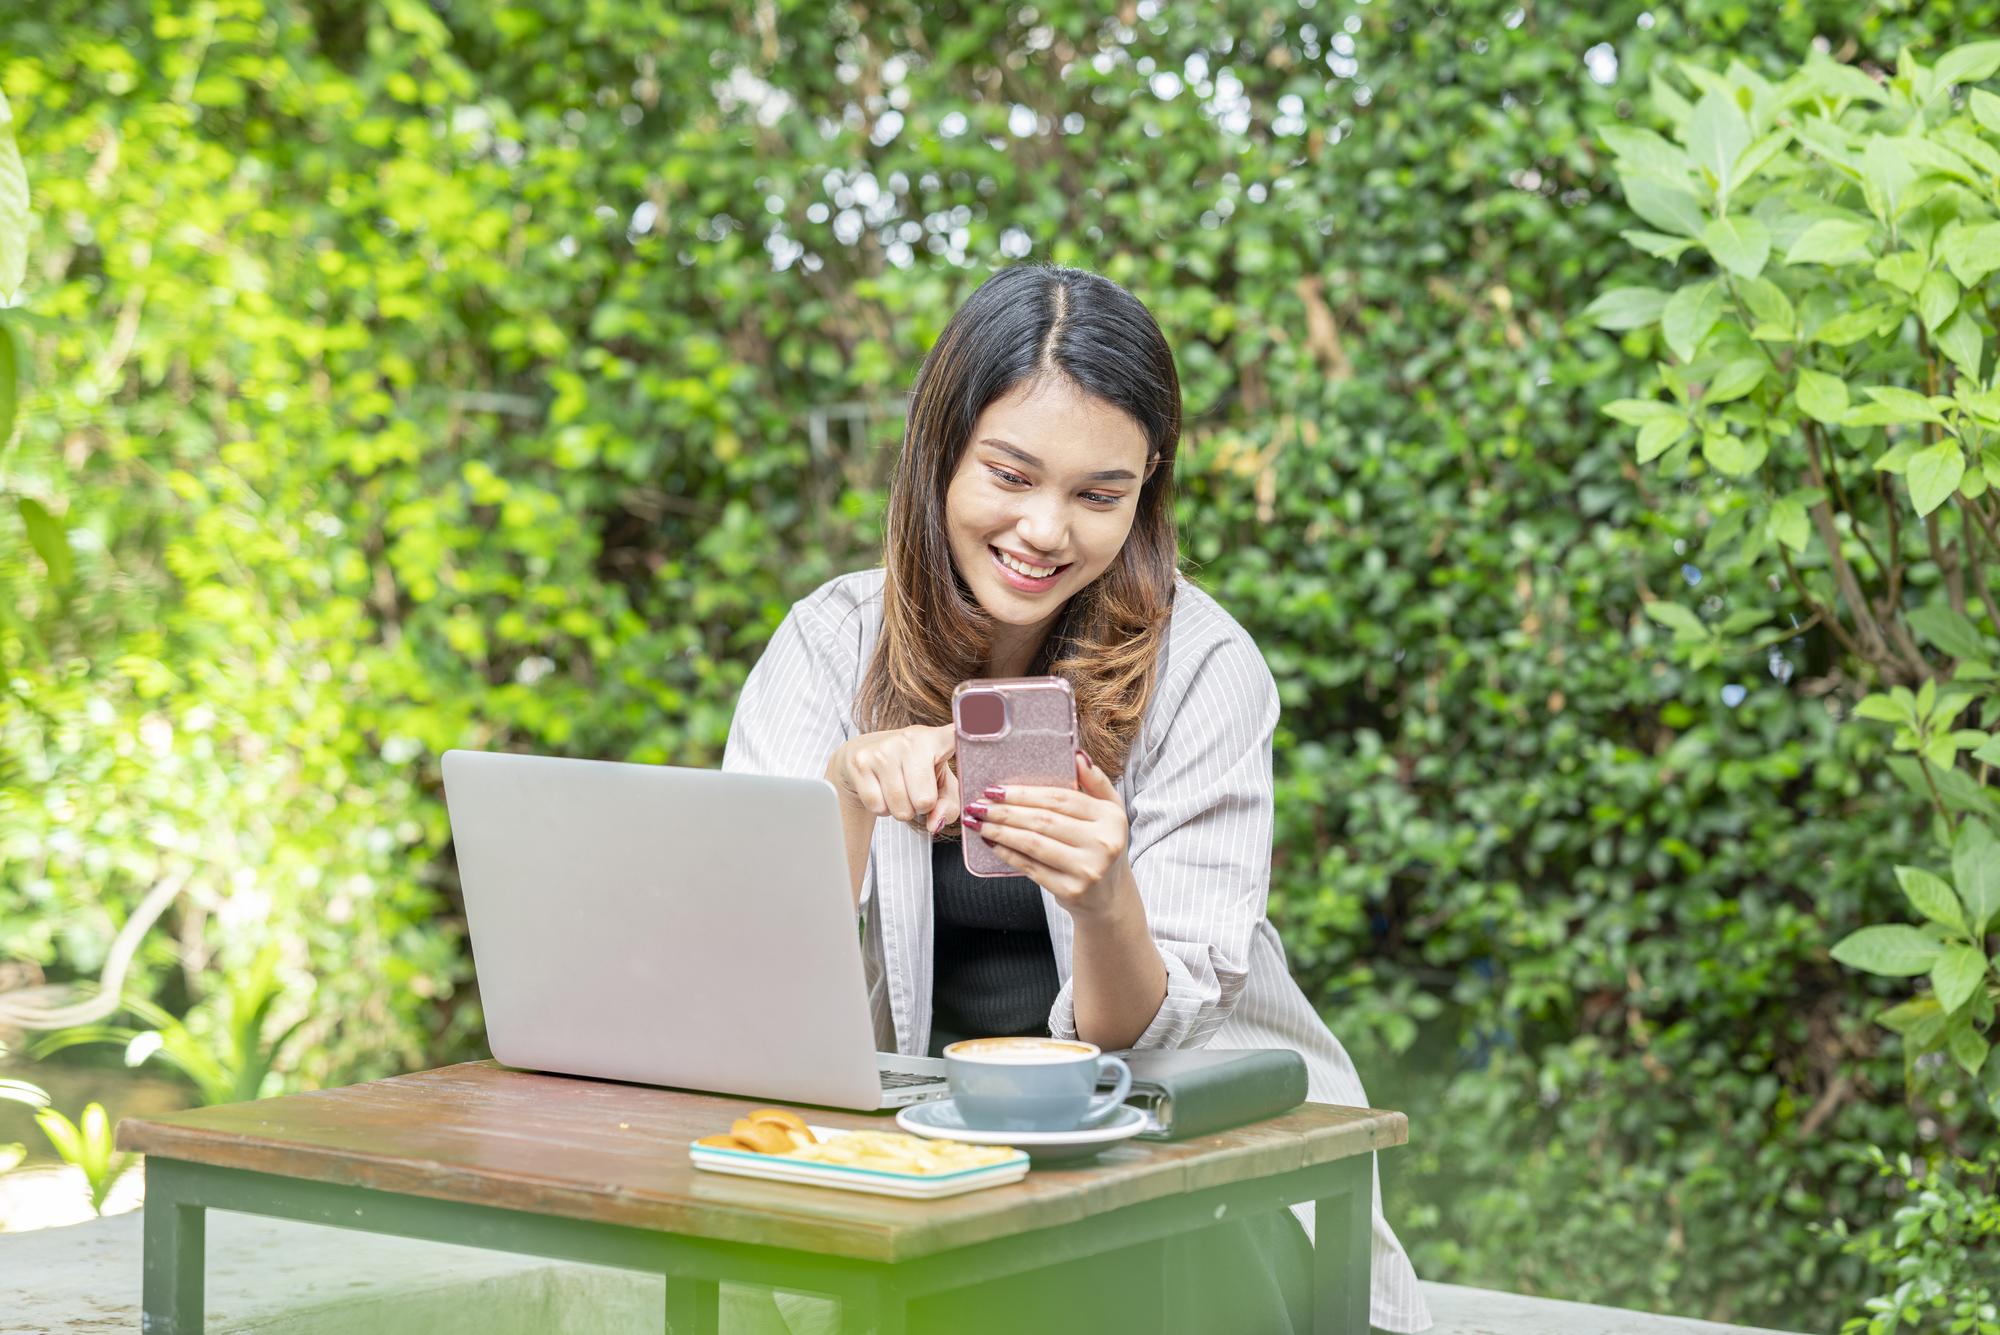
(1972, 558)
(1937, 798)
(1948, 565)
(1832, 463)
(1820, 610)
(1872, 646)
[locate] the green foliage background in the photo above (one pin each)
(410, 377)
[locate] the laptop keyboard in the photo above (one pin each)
(905, 1079)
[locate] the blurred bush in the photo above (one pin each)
(407, 377)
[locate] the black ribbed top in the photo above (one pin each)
(994, 968)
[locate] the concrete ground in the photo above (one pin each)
(274, 1277)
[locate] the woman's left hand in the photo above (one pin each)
(1071, 842)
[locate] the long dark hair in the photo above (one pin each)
(1027, 323)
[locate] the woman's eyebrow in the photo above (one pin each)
(1102, 475)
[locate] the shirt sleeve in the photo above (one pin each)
(790, 717)
(1200, 846)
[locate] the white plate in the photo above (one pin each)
(940, 1120)
(844, 1177)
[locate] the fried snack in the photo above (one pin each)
(724, 1142)
(895, 1152)
(764, 1137)
(794, 1125)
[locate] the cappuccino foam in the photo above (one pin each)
(1019, 1051)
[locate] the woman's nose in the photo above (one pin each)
(1045, 528)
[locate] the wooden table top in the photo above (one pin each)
(588, 1149)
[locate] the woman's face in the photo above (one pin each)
(1043, 498)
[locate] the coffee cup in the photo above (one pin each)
(1032, 1084)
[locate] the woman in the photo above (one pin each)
(1030, 530)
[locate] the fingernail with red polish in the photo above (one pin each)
(970, 821)
(1084, 758)
(996, 793)
(976, 810)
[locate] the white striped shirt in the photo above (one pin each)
(1197, 791)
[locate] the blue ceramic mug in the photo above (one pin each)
(1032, 1084)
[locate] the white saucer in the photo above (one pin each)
(940, 1120)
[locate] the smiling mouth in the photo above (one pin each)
(1026, 570)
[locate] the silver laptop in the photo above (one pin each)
(668, 926)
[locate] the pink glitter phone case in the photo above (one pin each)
(1035, 744)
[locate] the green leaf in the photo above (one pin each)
(1937, 298)
(10, 379)
(1989, 751)
(1970, 147)
(1770, 308)
(1667, 206)
(1882, 708)
(1985, 109)
(1831, 79)
(1892, 950)
(1821, 397)
(1886, 177)
(1967, 64)
(1689, 316)
(1736, 379)
(1972, 252)
(1905, 405)
(1957, 974)
(1680, 620)
(1926, 158)
(1964, 343)
(1661, 434)
(62, 1134)
(1903, 270)
(1960, 791)
(1850, 326)
(1951, 631)
(46, 536)
(1759, 153)
(1626, 308)
(1831, 241)
(1739, 244)
(14, 208)
(1658, 244)
(1933, 475)
(1919, 1016)
(1642, 150)
(1638, 412)
(1717, 134)
(1729, 454)
(1789, 524)
(1931, 895)
(1829, 141)
(1967, 1048)
(1896, 458)
(1975, 871)
(20, 1091)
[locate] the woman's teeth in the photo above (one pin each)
(1022, 567)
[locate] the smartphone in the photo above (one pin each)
(1011, 730)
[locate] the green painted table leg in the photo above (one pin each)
(875, 1307)
(1343, 1224)
(175, 1244)
(693, 1305)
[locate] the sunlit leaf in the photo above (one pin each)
(1890, 949)
(1739, 244)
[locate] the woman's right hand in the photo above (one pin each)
(905, 773)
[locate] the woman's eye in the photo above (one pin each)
(1009, 479)
(1099, 498)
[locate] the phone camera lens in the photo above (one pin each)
(982, 714)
